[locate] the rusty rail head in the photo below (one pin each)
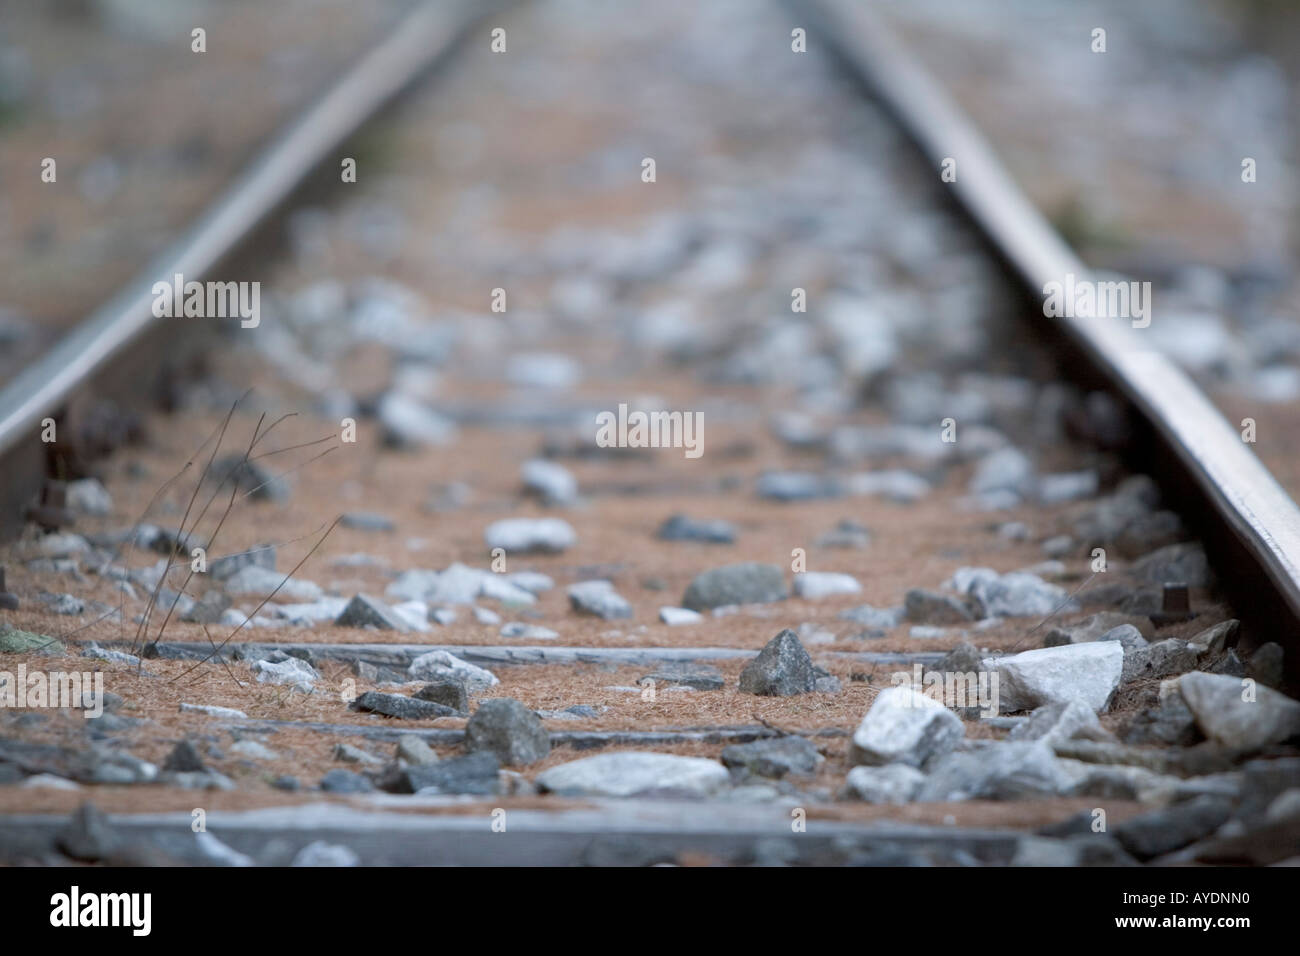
(422, 38)
(1245, 496)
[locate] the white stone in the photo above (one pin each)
(1223, 716)
(443, 665)
(257, 581)
(552, 481)
(414, 613)
(212, 711)
(320, 853)
(905, 726)
(629, 773)
(1086, 672)
(297, 673)
(676, 616)
(532, 581)
(820, 584)
(89, 497)
(530, 534)
(893, 783)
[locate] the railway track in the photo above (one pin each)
(871, 478)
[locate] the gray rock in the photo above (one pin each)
(256, 581)
(1009, 770)
(1015, 594)
(827, 683)
(367, 521)
(1285, 807)
(443, 665)
(1177, 563)
(1129, 638)
(224, 567)
(935, 607)
(1007, 469)
(688, 674)
(485, 616)
(401, 707)
(251, 478)
(1088, 672)
(550, 481)
(874, 617)
(1145, 602)
(534, 582)
(904, 726)
(549, 370)
(796, 486)
(209, 608)
(509, 730)
(477, 774)
(377, 675)
(345, 781)
(1094, 627)
(1149, 532)
(773, 757)
(1215, 701)
(962, 659)
(1265, 665)
(117, 767)
(365, 611)
(1108, 518)
(634, 773)
(528, 632)
(681, 528)
(88, 836)
(1163, 831)
(254, 750)
(1039, 852)
(1159, 660)
(96, 652)
(88, 496)
(415, 751)
(847, 534)
(1059, 546)
(1215, 640)
(293, 672)
(819, 584)
(52, 546)
(407, 422)
(197, 780)
(65, 604)
(1170, 723)
(184, 758)
(600, 599)
(528, 535)
(894, 783)
(320, 853)
(1059, 721)
(894, 484)
(449, 693)
(782, 669)
(211, 711)
(747, 583)
(1229, 664)
(418, 584)
(1067, 486)
(350, 754)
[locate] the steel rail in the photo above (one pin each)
(422, 37)
(1243, 492)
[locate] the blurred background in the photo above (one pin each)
(1135, 154)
